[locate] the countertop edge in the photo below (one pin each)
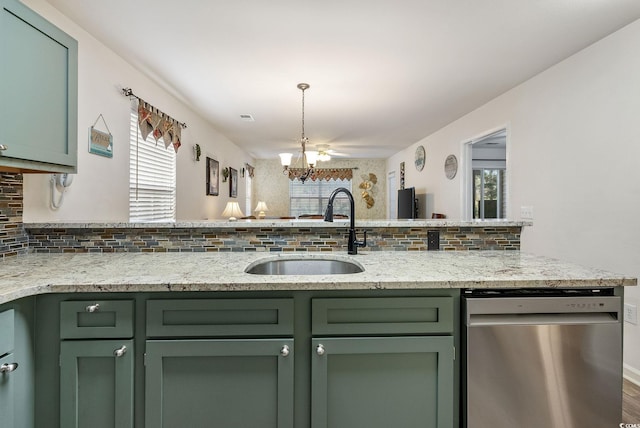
(295, 223)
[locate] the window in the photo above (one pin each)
(488, 193)
(152, 177)
(312, 197)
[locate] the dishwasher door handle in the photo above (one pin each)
(479, 320)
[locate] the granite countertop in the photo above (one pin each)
(151, 272)
(282, 223)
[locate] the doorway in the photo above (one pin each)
(485, 183)
(392, 193)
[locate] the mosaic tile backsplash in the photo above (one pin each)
(272, 239)
(13, 238)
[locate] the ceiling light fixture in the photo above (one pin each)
(308, 158)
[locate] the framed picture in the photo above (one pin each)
(213, 177)
(233, 182)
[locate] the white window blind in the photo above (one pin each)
(312, 197)
(152, 177)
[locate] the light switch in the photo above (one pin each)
(526, 212)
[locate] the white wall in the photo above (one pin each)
(573, 154)
(100, 191)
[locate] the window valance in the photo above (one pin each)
(323, 173)
(157, 123)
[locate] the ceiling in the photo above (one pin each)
(383, 74)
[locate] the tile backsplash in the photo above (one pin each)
(13, 237)
(268, 239)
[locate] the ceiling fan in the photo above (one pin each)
(325, 153)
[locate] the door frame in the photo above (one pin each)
(466, 180)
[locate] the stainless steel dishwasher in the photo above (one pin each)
(542, 359)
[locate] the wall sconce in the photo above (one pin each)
(232, 211)
(261, 208)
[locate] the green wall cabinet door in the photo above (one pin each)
(239, 383)
(381, 382)
(39, 92)
(96, 384)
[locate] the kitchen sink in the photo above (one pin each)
(304, 266)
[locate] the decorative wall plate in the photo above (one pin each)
(420, 157)
(451, 166)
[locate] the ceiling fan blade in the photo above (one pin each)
(338, 154)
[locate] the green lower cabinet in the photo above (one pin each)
(382, 382)
(7, 393)
(239, 383)
(96, 384)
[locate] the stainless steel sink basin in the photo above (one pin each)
(304, 266)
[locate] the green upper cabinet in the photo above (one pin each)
(39, 93)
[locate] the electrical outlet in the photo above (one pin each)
(526, 212)
(631, 313)
(433, 240)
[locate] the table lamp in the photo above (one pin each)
(261, 208)
(232, 211)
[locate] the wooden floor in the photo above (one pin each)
(630, 403)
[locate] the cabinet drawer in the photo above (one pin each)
(100, 319)
(386, 315)
(6, 331)
(219, 317)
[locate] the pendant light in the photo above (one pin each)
(308, 158)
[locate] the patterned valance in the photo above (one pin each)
(154, 122)
(323, 173)
(157, 123)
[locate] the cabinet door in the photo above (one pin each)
(240, 383)
(38, 86)
(381, 382)
(96, 384)
(7, 392)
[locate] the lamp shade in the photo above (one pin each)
(285, 158)
(261, 208)
(232, 211)
(312, 157)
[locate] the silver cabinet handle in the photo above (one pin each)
(320, 349)
(3, 147)
(285, 351)
(120, 352)
(8, 367)
(92, 308)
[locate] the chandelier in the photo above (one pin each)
(308, 158)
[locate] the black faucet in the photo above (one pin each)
(353, 243)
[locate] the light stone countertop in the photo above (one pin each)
(34, 274)
(281, 223)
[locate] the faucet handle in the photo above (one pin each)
(364, 242)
